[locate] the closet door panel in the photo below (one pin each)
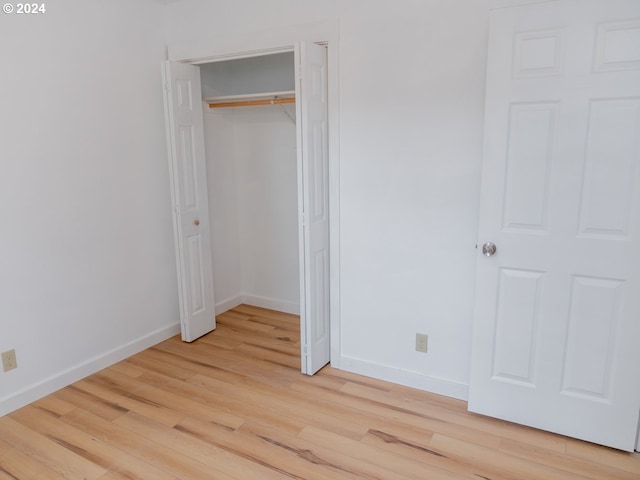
(185, 141)
(313, 174)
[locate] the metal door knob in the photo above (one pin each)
(196, 222)
(489, 249)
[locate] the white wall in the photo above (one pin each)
(251, 166)
(266, 150)
(87, 269)
(411, 89)
(264, 73)
(224, 209)
(252, 179)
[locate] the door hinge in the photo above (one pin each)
(167, 87)
(304, 349)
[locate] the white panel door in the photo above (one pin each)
(313, 205)
(185, 139)
(557, 315)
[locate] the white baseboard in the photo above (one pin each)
(257, 301)
(60, 380)
(406, 378)
(228, 304)
(271, 303)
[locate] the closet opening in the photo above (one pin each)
(251, 161)
(263, 194)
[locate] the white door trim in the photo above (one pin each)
(226, 47)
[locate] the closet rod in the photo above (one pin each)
(252, 103)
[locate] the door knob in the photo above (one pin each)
(196, 222)
(489, 249)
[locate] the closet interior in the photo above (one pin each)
(251, 158)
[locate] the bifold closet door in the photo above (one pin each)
(187, 169)
(313, 204)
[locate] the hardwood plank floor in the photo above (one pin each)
(233, 406)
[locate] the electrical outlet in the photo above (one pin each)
(9, 360)
(421, 342)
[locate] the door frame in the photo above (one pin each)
(252, 44)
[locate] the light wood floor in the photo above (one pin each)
(233, 405)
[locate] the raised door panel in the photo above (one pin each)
(531, 133)
(516, 328)
(612, 167)
(591, 338)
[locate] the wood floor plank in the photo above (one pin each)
(229, 463)
(247, 324)
(235, 363)
(132, 468)
(181, 366)
(403, 466)
(292, 321)
(186, 405)
(216, 395)
(305, 409)
(418, 449)
(144, 448)
(353, 378)
(254, 407)
(91, 402)
(629, 462)
(233, 405)
(54, 405)
(131, 402)
(515, 467)
(128, 369)
(278, 330)
(429, 421)
(259, 450)
(16, 465)
(219, 341)
(272, 355)
(52, 427)
(339, 463)
(581, 466)
(274, 338)
(56, 457)
(474, 423)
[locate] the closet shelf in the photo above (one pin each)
(270, 98)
